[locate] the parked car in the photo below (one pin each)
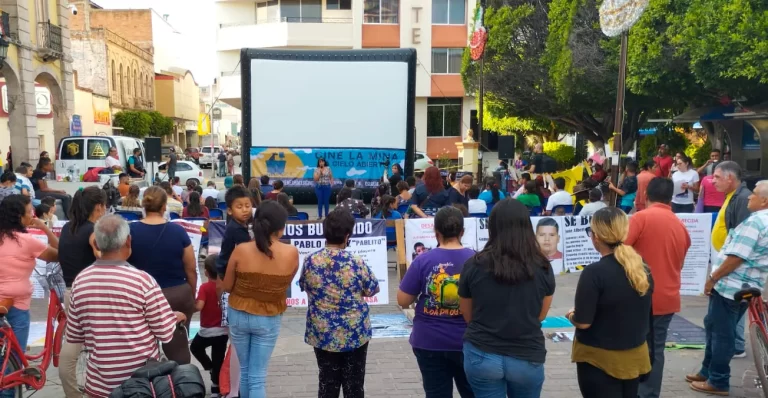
(186, 170)
(208, 159)
(422, 161)
(193, 153)
(77, 155)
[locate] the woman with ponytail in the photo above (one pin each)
(258, 276)
(612, 313)
(491, 194)
(388, 209)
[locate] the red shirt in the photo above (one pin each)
(272, 195)
(206, 214)
(710, 194)
(665, 166)
(210, 316)
(662, 241)
(643, 179)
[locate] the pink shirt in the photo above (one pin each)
(712, 197)
(17, 262)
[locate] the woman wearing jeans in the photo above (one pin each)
(504, 347)
(257, 277)
(323, 181)
(432, 281)
(337, 283)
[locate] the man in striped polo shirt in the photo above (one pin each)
(118, 312)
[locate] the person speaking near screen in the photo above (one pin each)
(323, 179)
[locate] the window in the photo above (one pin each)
(122, 88)
(114, 76)
(267, 12)
(444, 117)
(141, 83)
(181, 166)
(135, 84)
(306, 11)
(98, 149)
(338, 4)
(446, 60)
(128, 81)
(449, 12)
(381, 11)
(72, 149)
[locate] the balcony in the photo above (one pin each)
(49, 41)
(229, 86)
(287, 32)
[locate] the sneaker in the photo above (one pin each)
(214, 391)
(740, 354)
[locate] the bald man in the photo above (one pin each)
(538, 159)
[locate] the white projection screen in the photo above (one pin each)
(353, 108)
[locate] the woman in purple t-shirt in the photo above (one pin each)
(432, 281)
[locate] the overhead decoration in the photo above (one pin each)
(479, 36)
(617, 16)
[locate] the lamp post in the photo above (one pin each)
(477, 53)
(616, 18)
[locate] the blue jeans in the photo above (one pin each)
(740, 334)
(19, 321)
(222, 169)
(720, 325)
(254, 338)
(651, 388)
(498, 376)
(439, 370)
(323, 193)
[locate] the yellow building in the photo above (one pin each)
(38, 46)
(177, 96)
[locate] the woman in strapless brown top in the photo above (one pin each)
(258, 276)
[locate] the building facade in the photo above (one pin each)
(437, 29)
(38, 86)
(177, 96)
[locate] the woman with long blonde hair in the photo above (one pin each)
(612, 313)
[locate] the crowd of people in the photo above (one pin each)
(131, 287)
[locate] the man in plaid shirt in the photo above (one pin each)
(743, 260)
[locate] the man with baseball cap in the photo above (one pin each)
(663, 162)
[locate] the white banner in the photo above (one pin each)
(369, 241)
(565, 242)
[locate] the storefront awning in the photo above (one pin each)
(705, 114)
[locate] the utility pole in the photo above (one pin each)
(618, 119)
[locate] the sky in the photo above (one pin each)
(195, 19)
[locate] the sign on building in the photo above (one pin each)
(75, 126)
(216, 114)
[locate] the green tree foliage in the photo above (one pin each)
(134, 123)
(564, 154)
(161, 125)
(495, 120)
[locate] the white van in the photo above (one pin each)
(209, 159)
(76, 155)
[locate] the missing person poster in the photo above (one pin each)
(420, 236)
(369, 241)
(694, 273)
(579, 251)
(549, 235)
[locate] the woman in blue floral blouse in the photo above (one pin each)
(337, 283)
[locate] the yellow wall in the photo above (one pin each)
(187, 95)
(164, 96)
(84, 108)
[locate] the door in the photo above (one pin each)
(71, 157)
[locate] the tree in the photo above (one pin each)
(161, 125)
(495, 120)
(134, 123)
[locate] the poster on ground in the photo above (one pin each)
(420, 236)
(369, 241)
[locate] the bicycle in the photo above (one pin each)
(758, 333)
(16, 371)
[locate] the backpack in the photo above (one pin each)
(113, 194)
(162, 380)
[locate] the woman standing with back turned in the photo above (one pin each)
(258, 276)
(612, 313)
(504, 347)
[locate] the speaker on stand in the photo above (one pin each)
(152, 153)
(506, 147)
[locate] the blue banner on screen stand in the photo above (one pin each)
(296, 166)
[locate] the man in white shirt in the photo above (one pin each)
(210, 191)
(595, 203)
(475, 205)
(177, 189)
(525, 177)
(112, 161)
(560, 198)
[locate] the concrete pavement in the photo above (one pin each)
(392, 370)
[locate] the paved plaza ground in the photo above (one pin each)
(392, 369)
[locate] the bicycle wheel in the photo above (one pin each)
(759, 342)
(13, 366)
